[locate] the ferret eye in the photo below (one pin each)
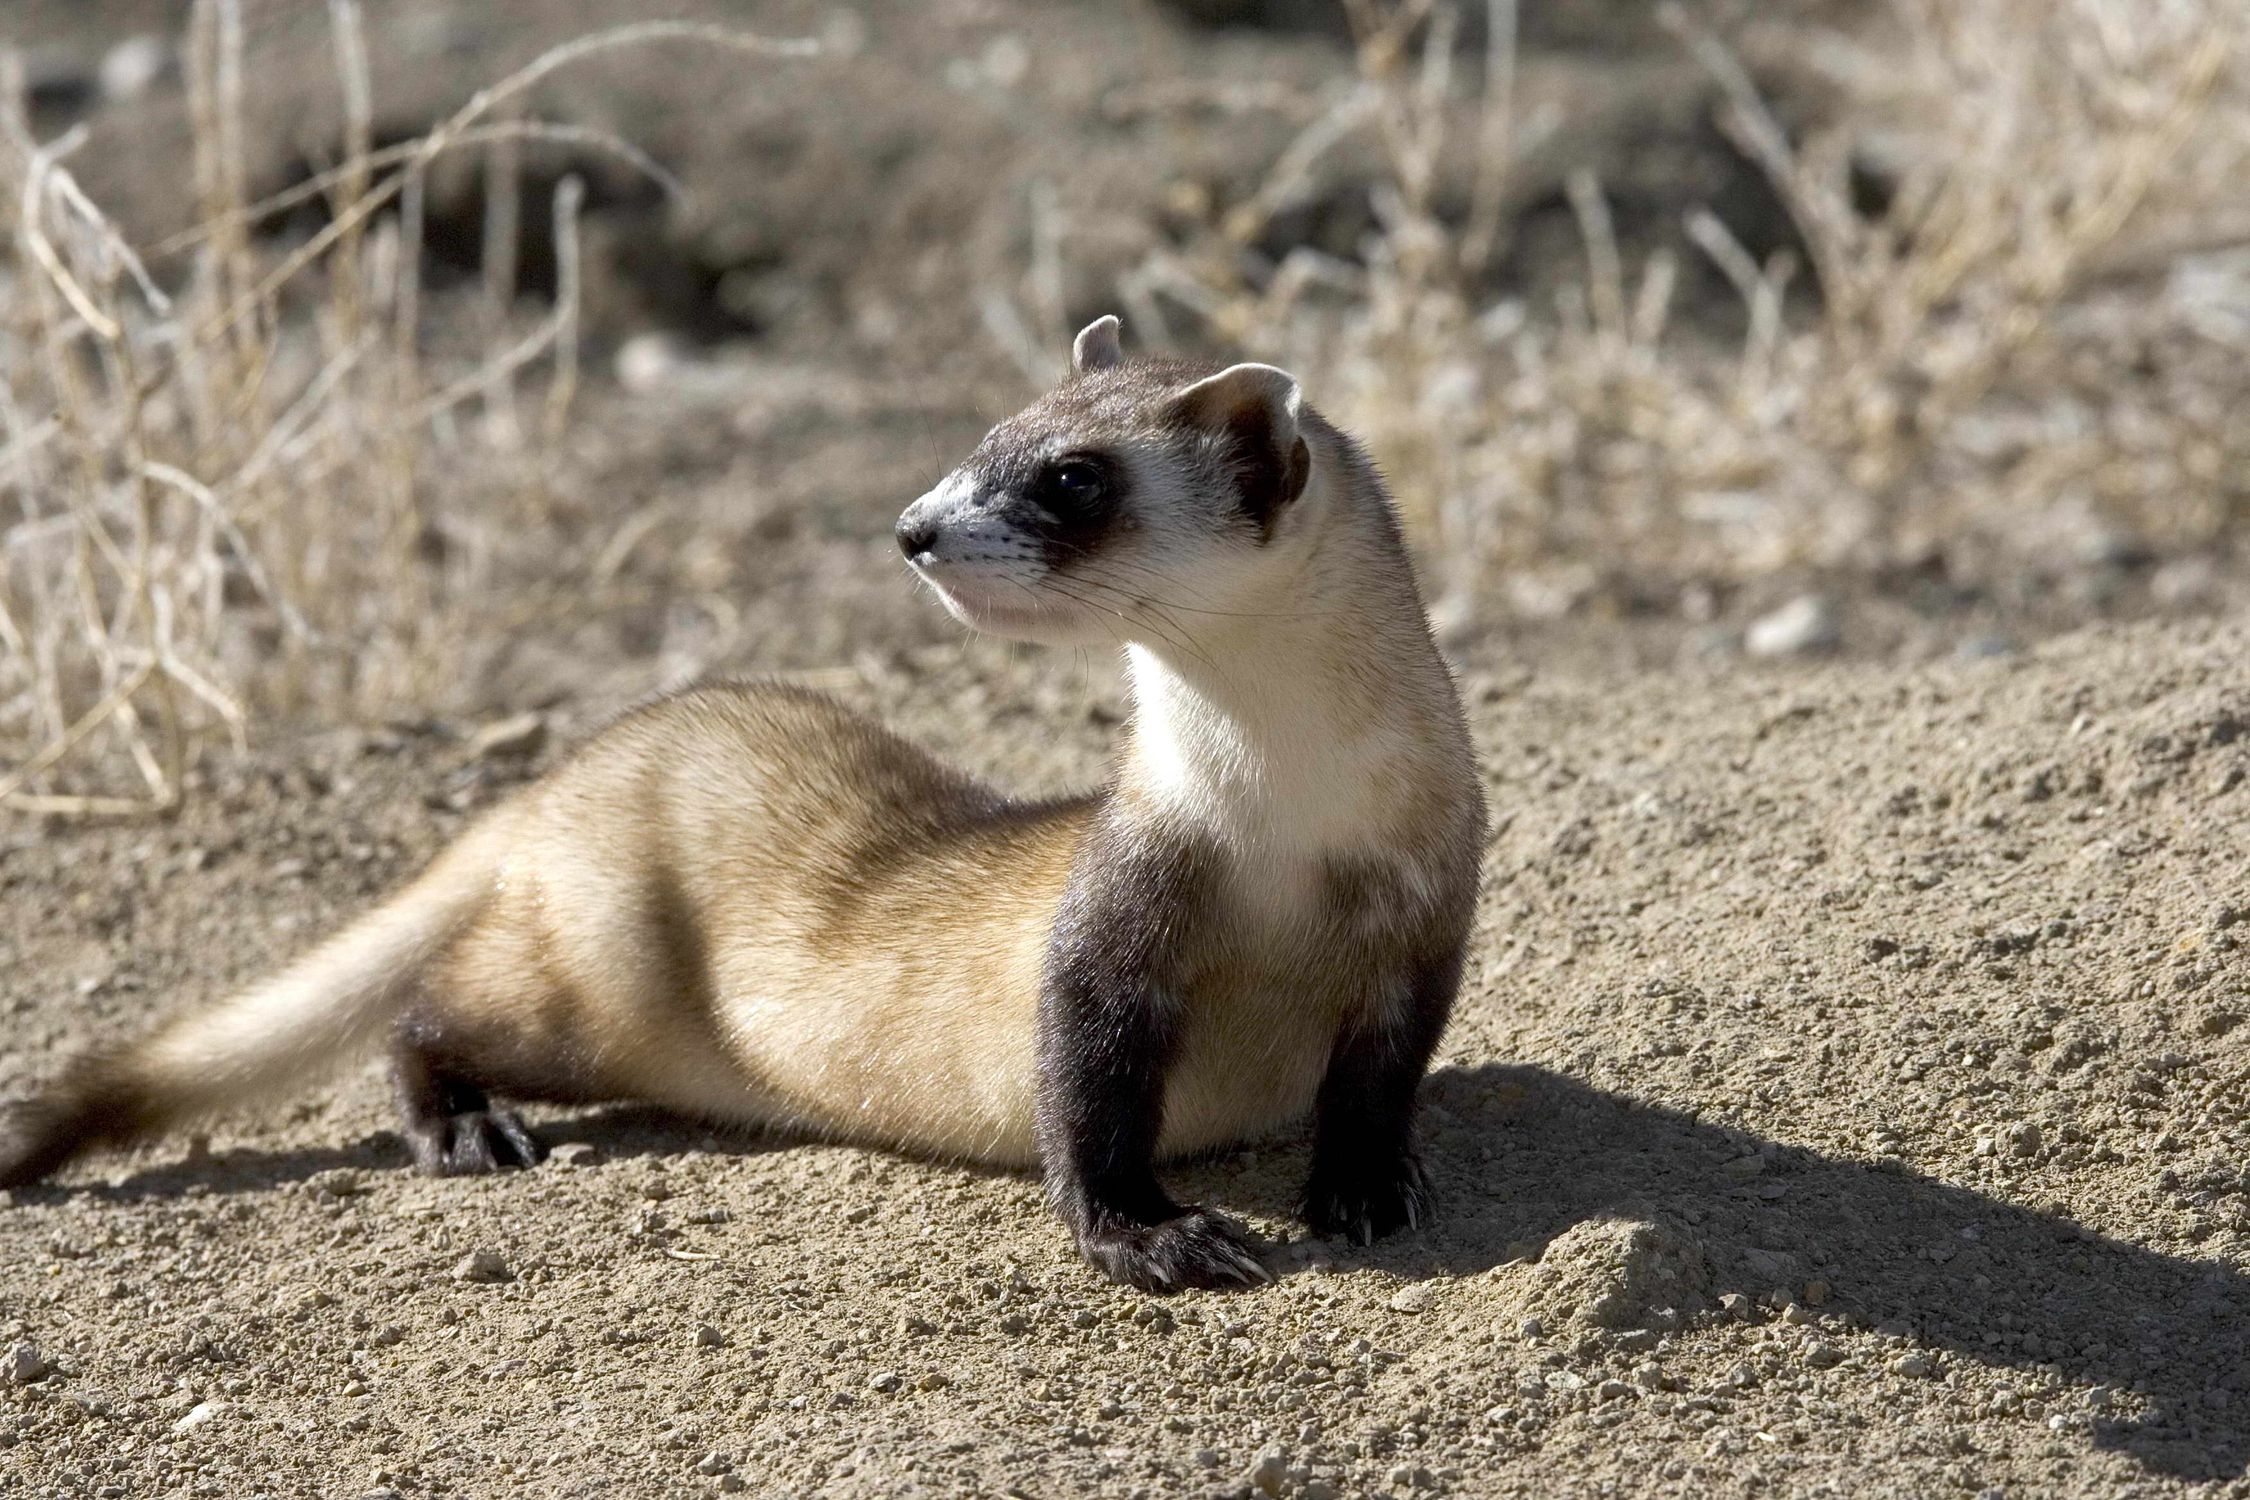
(1075, 483)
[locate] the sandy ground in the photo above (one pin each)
(1848, 1098)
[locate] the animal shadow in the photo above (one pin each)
(1521, 1155)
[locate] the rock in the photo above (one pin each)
(199, 1414)
(707, 1337)
(934, 1380)
(2025, 1139)
(1268, 1470)
(650, 361)
(1914, 1363)
(885, 1381)
(1984, 647)
(1823, 1356)
(517, 736)
(482, 1266)
(1414, 1298)
(133, 67)
(576, 1154)
(714, 1464)
(337, 1182)
(1806, 624)
(27, 1366)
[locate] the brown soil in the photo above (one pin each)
(1851, 1091)
(1848, 1097)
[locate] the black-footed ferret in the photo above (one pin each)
(750, 904)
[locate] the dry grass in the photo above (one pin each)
(215, 498)
(2039, 151)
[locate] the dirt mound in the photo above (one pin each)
(1849, 1092)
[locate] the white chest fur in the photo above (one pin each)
(1264, 754)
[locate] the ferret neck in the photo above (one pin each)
(1307, 727)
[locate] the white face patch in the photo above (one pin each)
(1136, 503)
(991, 571)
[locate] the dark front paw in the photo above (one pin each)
(475, 1141)
(1198, 1248)
(1365, 1203)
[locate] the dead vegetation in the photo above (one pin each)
(2056, 183)
(216, 479)
(261, 476)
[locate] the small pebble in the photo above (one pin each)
(199, 1414)
(133, 67)
(1267, 1471)
(714, 1463)
(650, 361)
(27, 1366)
(707, 1337)
(482, 1266)
(1413, 1298)
(885, 1381)
(1914, 1363)
(1804, 625)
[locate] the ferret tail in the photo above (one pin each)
(340, 994)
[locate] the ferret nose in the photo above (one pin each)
(916, 534)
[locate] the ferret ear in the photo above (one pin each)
(1256, 409)
(1096, 347)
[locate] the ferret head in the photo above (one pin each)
(1136, 501)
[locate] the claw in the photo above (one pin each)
(1193, 1248)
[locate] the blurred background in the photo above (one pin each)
(387, 359)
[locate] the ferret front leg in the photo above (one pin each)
(1108, 1031)
(1101, 1105)
(1367, 1179)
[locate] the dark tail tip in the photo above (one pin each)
(96, 1101)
